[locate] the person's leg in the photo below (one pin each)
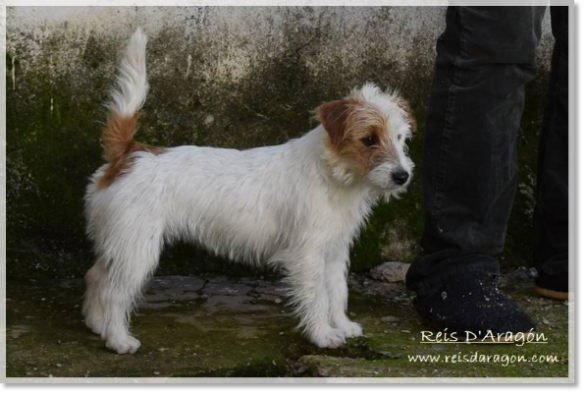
(552, 191)
(484, 58)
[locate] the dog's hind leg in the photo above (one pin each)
(119, 287)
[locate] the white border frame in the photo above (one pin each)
(573, 187)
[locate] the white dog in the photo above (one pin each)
(298, 205)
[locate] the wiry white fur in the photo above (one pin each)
(131, 88)
(280, 205)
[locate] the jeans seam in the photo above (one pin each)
(446, 135)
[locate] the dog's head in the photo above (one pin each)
(367, 135)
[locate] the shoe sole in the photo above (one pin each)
(555, 295)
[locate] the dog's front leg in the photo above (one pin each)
(310, 298)
(336, 279)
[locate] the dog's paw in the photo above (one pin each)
(330, 338)
(351, 329)
(123, 345)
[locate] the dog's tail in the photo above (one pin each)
(127, 98)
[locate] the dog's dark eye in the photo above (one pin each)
(399, 137)
(370, 140)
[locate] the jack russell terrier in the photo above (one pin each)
(298, 205)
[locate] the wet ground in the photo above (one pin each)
(222, 326)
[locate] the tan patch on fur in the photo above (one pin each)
(119, 145)
(348, 122)
(121, 165)
(333, 116)
(118, 135)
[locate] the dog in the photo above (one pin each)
(297, 206)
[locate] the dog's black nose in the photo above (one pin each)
(400, 178)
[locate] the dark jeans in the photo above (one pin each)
(484, 58)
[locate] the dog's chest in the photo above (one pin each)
(347, 213)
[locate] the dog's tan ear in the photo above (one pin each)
(403, 104)
(333, 116)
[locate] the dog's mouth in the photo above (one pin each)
(392, 190)
(398, 188)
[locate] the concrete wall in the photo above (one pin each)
(230, 77)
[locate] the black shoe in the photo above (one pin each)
(552, 286)
(471, 302)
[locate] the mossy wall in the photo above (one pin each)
(229, 77)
